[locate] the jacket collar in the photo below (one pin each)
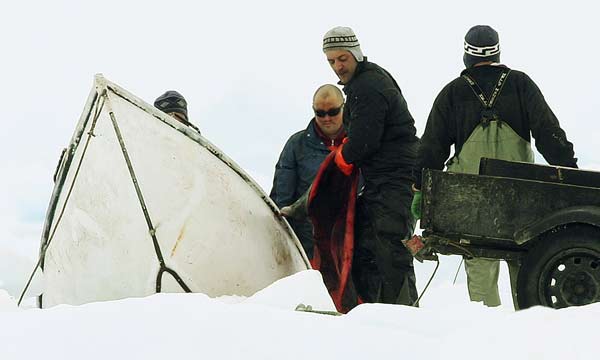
(474, 68)
(317, 137)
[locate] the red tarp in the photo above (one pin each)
(331, 209)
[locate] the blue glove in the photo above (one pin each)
(415, 208)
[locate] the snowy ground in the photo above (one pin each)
(265, 326)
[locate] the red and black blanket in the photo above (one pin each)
(331, 209)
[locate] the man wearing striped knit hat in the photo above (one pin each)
(381, 142)
(488, 111)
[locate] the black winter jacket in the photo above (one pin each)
(381, 130)
(456, 112)
(294, 173)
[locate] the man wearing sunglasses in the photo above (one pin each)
(303, 154)
(382, 144)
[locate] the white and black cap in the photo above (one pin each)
(342, 38)
(481, 44)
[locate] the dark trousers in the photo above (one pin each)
(382, 268)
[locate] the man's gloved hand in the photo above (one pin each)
(299, 209)
(415, 208)
(286, 211)
(341, 163)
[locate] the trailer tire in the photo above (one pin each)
(562, 269)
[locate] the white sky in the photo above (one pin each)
(249, 68)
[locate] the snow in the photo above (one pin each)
(15, 269)
(265, 326)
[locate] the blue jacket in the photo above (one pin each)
(294, 173)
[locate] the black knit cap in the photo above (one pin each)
(481, 44)
(172, 101)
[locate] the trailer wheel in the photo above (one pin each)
(562, 270)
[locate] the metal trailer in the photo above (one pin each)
(545, 219)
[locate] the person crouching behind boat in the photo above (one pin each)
(303, 154)
(173, 103)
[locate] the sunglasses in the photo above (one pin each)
(330, 112)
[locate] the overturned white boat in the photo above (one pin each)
(144, 204)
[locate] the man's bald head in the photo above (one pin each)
(328, 104)
(328, 92)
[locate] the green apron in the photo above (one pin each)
(495, 139)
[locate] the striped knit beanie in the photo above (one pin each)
(342, 38)
(481, 44)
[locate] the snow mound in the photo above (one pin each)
(305, 287)
(7, 302)
(264, 326)
(14, 272)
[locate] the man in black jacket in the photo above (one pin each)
(303, 154)
(488, 111)
(381, 142)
